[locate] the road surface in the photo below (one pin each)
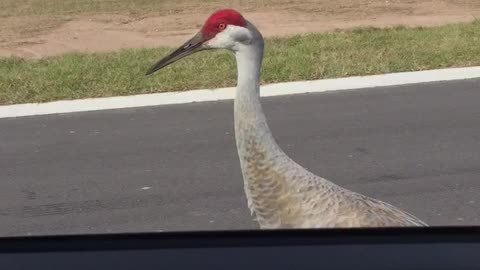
(175, 167)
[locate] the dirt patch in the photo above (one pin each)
(48, 35)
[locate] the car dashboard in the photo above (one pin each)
(391, 248)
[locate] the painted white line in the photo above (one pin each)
(278, 89)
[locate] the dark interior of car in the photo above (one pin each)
(387, 248)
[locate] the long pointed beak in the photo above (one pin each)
(195, 44)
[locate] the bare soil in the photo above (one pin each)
(48, 35)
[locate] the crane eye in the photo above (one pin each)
(221, 26)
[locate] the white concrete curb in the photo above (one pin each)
(278, 89)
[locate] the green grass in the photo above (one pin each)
(308, 57)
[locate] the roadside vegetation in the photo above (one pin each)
(304, 57)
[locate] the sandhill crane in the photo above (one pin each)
(280, 192)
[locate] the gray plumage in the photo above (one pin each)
(280, 192)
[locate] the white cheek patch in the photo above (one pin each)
(221, 40)
(230, 37)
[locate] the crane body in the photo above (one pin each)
(280, 192)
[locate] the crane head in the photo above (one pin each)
(224, 29)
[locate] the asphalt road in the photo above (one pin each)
(176, 168)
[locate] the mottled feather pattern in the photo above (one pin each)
(282, 194)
